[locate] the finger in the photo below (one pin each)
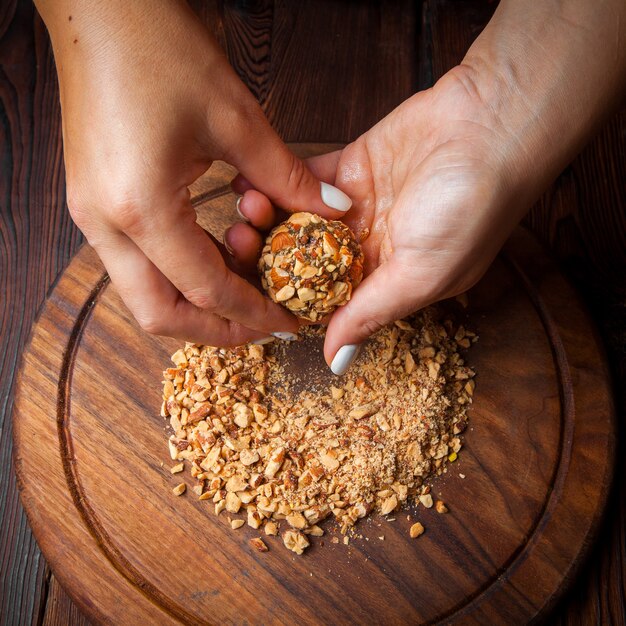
(157, 305)
(244, 243)
(181, 250)
(271, 168)
(240, 184)
(256, 208)
(391, 292)
(323, 167)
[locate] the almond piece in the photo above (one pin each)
(330, 246)
(259, 544)
(179, 489)
(248, 457)
(279, 278)
(285, 293)
(282, 240)
(416, 530)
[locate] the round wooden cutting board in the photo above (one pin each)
(525, 495)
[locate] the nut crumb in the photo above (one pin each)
(426, 500)
(259, 544)
(179, 489)
(416, 530)
(295, 541)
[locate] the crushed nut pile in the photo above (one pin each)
(311, 265)
(285, 457)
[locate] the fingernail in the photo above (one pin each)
(344, 358)
(227, 246)
(263, 341)
(241, 215)
(285, 336)
(335, 198)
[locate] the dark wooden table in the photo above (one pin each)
(323, 71)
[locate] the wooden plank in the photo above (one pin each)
(60, 610)
(324, 71)
(36, 242)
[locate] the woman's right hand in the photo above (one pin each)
(149, 101)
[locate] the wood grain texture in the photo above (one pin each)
(286, 53)
(92, 463)
(37, 240)
(581, 220)
(60, 610)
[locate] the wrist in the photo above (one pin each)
(544, 82)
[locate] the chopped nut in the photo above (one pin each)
(426, 500)
(329, 462)
(275, 463)
(315, 531)
(255, 439)
(295, 541)
(259, 544)
(440, 507)
(281, 240)
(297, 520)
(179, 489)
(409, 363)
(254, 519)
(249, 457)
(416, 530)
(236, 483)
(389, 505)
(361, 412)
(285, 293)
(233, 503)
(242, 414)
(177, 468)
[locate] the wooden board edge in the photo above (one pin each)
(50, 546)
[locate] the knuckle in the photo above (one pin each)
(297, 174)
(202, 297)
(126, 215)
(371, 326)
(210, 297)
(123, 211)
(77, 208)
(152, 324)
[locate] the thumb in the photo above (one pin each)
(271, 168)
(387, 294)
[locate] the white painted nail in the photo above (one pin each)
(344, 358)
(285, 336)
(262, 341)
(335, 198)
(239, 213)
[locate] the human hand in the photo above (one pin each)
(431, 184)
(149, 101)
(443, 179)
